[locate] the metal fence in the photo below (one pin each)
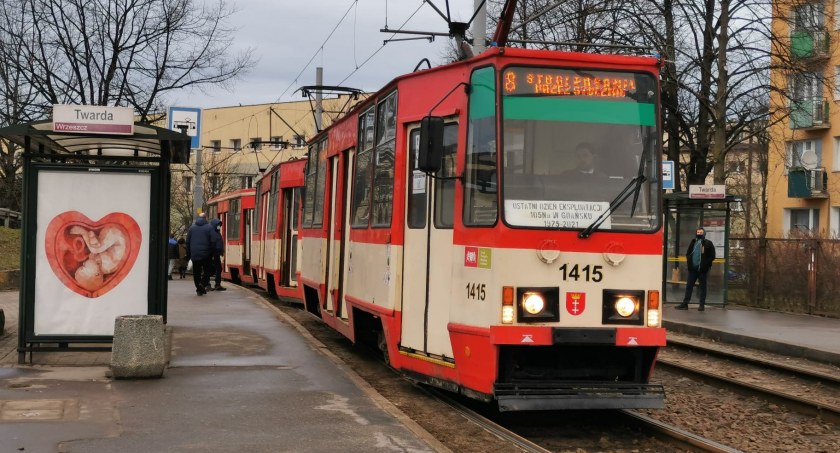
(789, 275)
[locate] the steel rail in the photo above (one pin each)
(679, 435)
(486, 424)
(804, 406)
(778, 366)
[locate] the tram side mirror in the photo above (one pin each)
(430, 153)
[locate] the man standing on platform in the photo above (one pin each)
(200, 249)
(699, 257)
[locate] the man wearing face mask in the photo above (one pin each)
(699, 257)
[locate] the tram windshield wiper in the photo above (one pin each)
(635, 184)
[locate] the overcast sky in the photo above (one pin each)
(286, 34)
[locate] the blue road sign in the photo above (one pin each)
(186, 119)
(668, 176)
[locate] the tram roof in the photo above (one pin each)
(493, 53)
(147, 141)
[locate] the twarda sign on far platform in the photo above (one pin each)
(93, 119)
(716, 192)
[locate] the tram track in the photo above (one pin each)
(798, 369)
(751, 379)
(663, 431)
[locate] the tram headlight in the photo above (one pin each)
(533, 303)
(537, 304)
(623, 306)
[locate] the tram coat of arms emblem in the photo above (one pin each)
(575, 303)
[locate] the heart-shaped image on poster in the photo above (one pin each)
(92, 258)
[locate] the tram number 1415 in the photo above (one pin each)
(586, 273)
(476, 291)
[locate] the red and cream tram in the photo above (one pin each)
(235, 210)
(495, 226)
(260, 227)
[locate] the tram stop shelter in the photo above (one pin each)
(683, 215)
(95, 226)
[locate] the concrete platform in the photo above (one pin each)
(241, 378)
(811, 337)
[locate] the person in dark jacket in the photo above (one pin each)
(183, 260)
(172, 253)
(699, 256)
(217, 254)
(200, 246)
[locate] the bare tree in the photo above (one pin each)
(108, 52)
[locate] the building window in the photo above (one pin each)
(235, 145)
(300, 141)
(801, 221)
(215, 184)
(187, 183)
(835, 222)
(246, 181)
(801, 154)
(277, 142)
(810, 16)
(837, 83)
(835, 162)
(256, 144)
(216, 146)
(736, 166)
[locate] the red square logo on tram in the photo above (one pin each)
(471, 256)
(575, 303)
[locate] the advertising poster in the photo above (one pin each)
(92, 250)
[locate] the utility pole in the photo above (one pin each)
(479, 31)
(319, 97)
(198, 187)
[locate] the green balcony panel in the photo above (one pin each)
(798, 186)
(801, 44)
(801, 114)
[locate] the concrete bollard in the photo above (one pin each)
(139, 349)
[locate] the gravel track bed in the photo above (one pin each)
(749, 424)
(777, 381)
(797, 362)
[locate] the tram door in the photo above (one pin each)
(428, 252)
(262, 218)
(338, 230)
(246, 263)
(291, 265)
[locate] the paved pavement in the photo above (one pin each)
(811, 337)
(241, 378)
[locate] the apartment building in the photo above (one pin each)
(239, 142)
(803, 194)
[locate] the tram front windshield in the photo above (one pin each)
(573, 140)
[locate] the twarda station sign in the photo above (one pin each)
(95, 224)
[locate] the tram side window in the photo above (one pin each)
(480, 185)
(383, 179)
(272, 204)
(417, 185)
(257, 205)
(311, 175)
(360, 207)
(318, 215)
(445, 188)
(233, 219)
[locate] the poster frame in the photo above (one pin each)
(155, 304)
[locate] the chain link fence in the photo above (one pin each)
(788, 275)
